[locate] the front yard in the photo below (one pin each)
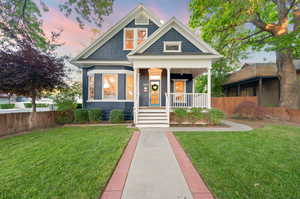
(60, 163)
(260, 164)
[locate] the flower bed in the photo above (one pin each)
(196, 117)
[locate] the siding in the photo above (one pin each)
(172, 35)
(113, 49)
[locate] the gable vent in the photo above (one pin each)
(142, 19)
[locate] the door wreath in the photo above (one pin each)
(154, 87)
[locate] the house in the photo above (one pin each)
(258, 79)
(145, 68)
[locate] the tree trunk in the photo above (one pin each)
(288, 79)
(33, 98)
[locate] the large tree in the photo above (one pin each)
(19, 17)
(29, 71)
(255, 25)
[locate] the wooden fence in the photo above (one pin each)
(229, 104)
(12, 123)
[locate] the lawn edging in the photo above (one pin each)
(115, 186)
(194, 181)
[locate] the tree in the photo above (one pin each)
(28, 71)
(19, 17)
(255, 25)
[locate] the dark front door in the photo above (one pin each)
(154, 92)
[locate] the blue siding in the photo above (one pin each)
(113, 49)
(106, 107)
(144, 82)
(172, 35)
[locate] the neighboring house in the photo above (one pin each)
(145, 68)
(259, 79)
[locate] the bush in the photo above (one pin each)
(81, 115)
(65, 117)
(198, 114)
(29, 105)
(180, 114)
(249, 110)
(66, 105)
(7, 106)
(95, 115)
(215, 116)
(116, 116)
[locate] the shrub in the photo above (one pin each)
(7, 106)
(215, 116)
(180, 114)
(65, 117)
(66, 105)
(81, 115)
(198, 114)
(249, 110)
(116, 116)
(29, 105)
(95, 115)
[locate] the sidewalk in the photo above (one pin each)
(154, 172)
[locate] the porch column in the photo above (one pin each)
(169, 80)
(209, 88)
(135, 104)
(168, 97)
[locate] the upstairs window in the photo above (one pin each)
(133, 37)
(172, 46)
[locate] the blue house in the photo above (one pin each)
(145, 68)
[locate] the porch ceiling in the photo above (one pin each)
(194, 72)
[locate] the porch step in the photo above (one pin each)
(152, 117)
(152, 111)
(153, 122)
(152, 125)
(164, 117)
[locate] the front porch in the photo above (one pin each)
(157, 91)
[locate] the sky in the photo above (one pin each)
(76, 39)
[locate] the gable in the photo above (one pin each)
(187, 47)
(112, 50)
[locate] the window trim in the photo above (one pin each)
(172, 43)
(117, 87)
(135, 37)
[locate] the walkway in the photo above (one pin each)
(154, 172)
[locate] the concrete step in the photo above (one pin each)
(152, 125)
(152, 122)
(154, 117)
(152, 111)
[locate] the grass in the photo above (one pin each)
(260, 164)
(60, 163)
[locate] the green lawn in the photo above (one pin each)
(261, 164)
(60, 163)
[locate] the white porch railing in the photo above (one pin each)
(187, 100)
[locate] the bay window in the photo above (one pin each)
(133, 37)
(110, 86)
(91, 91)
(129, 87)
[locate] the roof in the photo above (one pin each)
(250, 71)
(102, 39)
(181, 28)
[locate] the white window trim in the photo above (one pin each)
(117, 87)
(92, 72)
(135, 37)
(172, 43)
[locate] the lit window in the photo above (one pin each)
(179, 88)
(172, 46)
(110, 86)
(91, 87)
(133, 37)
(129, 87)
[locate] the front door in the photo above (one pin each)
(154, 92)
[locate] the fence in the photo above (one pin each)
(229, 104)
(187, 100)
(12, 123)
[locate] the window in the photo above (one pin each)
(133, 37)
(179, 89)
(172, 46)
(91, 87)
(129, 87)
(110, 86)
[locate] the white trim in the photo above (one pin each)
(135, 37)
(203, 57)
(102, 39)
(117, 87)
(172, 43)
(88, 63)
(173, 63)
(103, 71)
(181, 28)
(106, 100)
(145, 15)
